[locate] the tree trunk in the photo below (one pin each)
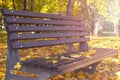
(25, 5)
(32, 5)
(2, 3)
(84, 10)
(70, 7)
(87, 15)
(13, 2)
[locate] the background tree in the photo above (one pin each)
(14, 7)
(92, 11)
(70, 7)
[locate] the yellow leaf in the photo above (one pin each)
(89, 57)
(47, 57)
(65, 58)
(17, 66)
(118, 73)
(2, 74)
(58, 77)
(75, 55)
(54, 61)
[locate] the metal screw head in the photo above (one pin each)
(74, 62)
(90, 67)
(14, 20)
(18, 35)
(21, 46)
(16, 27)
(62, 42)
(11, 10)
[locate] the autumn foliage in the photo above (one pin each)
(108, 69)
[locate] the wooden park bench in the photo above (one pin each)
(47, 30)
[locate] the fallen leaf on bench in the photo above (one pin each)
(47, 57)
(17, 66)
(90, 57)
(75, 55)
(54, 61)
(65, 58)
(89, 53)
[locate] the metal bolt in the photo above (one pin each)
(14, 20)
(16, 27)
(21, 46)
(90, 67)
(11, 10)
(74, 62)
(18, 35)
(62, 42)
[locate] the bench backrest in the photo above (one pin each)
(31, 29)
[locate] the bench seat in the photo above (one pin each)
(65, 65)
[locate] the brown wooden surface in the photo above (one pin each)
(87, 61)
(24, 25)
(11, 20)
(49, 35)
(37, 15)
(44, 28)
(76, 63)
(43, 61)
(20, 45)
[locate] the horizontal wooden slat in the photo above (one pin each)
(43, 62)
(36, 21)
(49, 35)
(17, 45)
(88, 61)
(61, 63)
(40, 28)
(64, 65)
(37, 15)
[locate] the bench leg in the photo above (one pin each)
(7, 73)
(11, 55)
(83, 46)
(90, 69)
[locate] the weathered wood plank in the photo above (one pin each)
(77, 63)
(45, 28)
(87, 61)
(47, 35)
(18, 45)
(37, 15)
(61, 62)
(12, 20)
